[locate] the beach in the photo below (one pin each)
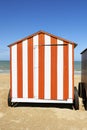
(39, 118)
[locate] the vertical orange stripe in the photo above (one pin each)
(73, 71)
(53, 69)
(11, 72)
(41, 66)
(65, 75)
(19, 71)
(30, 68)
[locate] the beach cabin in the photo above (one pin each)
(82, 90)
(42, 70)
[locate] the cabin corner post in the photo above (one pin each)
(10, 72)
(73, 71)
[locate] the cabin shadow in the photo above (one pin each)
(44, 105)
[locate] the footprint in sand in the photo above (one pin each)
(1, 114)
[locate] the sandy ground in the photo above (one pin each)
(38, 118)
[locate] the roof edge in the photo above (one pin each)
(83, 51)
(41, 31)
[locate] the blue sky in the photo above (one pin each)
(64, 18)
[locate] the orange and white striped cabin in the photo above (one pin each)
(42, 69)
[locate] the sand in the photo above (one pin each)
(38, 118)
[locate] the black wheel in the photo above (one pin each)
(80, 89)
(76, 99)
(86, 104)
(9, 100)
(85, 97)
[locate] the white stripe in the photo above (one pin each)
(25, 68)
(70, 71)
(60, 70)
(35, 63)
(47, 68)
(33, 100)
(14, 71)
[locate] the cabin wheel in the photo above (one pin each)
(9, 100)
(85, 97)
(76, 99)
(86, 104)
(80, 89)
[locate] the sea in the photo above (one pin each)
(5, 67)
